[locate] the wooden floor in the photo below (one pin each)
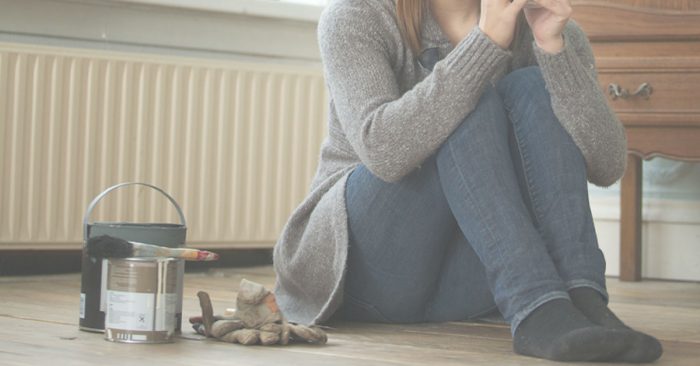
(38, 326)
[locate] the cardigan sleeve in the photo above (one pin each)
(581, 107)
(393, 133)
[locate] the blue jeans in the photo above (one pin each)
(498, 217)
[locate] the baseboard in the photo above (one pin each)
(653, 210)
(670, 237)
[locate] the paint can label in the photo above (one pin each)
(141, 300)
(132, 310)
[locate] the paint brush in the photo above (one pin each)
(106, 246)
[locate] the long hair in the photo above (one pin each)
(410, 18)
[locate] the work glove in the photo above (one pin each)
(256, 320)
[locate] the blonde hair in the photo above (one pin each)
(410, 18)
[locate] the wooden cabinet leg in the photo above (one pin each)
(631, 221)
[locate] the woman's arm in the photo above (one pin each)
(393, 133)
(572, 81)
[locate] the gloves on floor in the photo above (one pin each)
(256, 320)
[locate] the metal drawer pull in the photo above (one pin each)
(644, 91)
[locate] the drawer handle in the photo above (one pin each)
(644, 90)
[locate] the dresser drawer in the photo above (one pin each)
(674, 98)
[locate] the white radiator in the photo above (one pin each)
(235, 143)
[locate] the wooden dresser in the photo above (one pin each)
(648, 58)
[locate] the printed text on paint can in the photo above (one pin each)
(137, 311)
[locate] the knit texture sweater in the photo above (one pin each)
(390, 114)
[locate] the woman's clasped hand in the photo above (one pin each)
(498, 19)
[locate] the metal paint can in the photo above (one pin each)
(141, 299)
(93, 280)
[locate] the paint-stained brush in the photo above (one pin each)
(106, 246)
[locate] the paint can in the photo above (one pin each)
(93, 279)
(141, 300)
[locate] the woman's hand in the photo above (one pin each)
(547, 23)
(498, 18)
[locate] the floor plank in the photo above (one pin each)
(39, 316)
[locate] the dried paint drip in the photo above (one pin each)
(141, 300)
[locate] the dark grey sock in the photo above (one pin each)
(556, 330)
(590, 302)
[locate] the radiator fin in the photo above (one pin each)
(235, 143)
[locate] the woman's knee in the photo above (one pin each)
(487, 120)
(529, 107)
(528, 103)
(524, 82)
(522, 89)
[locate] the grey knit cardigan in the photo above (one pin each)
(390, 114)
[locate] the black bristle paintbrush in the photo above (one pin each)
(106, 246)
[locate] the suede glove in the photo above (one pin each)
(256, 320)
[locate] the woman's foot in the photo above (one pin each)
(591, 303)
(558, 331)
(645, 348)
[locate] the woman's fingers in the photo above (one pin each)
(547, 23)
(498, 19)
(516, 6)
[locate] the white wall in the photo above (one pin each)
(242, 29)
(671, 220)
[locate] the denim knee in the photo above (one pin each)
(523, 88)
(524, 81)
(487, 120)
(529, 107)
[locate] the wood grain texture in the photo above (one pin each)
(638, 20)
(679, 5)
(672, 93)
(631, 220)
(647, 57)
(675, 143)
(672, 69)
(655, 42)
(38, 325)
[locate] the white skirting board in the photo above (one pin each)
(670, 237)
